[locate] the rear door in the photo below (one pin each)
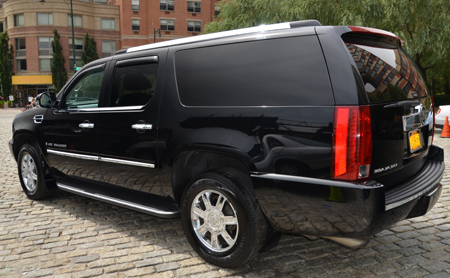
(400, 106)
(128, 146)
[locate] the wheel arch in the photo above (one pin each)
(189, 163)
(22, 138)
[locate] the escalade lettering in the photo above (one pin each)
(379, 170)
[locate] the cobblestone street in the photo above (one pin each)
(72, 236)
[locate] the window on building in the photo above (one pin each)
(45, 64)
(100, 1)
(136, 24)
(108, 24)
(135, 5)
(84, 0)
(18, 20)
(108, 48)
(45, 46)
(1, 27)
(194, 7)
(44, 19)
(20, 47)
(3, 4)
(78, 48)
(21, 64)
(194, 26)
(21, 61)
(77, 20)
(166, 5)
(217, 9)
(167, 24)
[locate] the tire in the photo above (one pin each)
(31, 173)
(221, 218)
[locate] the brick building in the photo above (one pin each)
(114, 24)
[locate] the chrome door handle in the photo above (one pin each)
(142, 126)
(86, 125)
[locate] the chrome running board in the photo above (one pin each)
(128, 198)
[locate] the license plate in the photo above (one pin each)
(415, 141)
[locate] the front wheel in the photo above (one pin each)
(31, 173)
(221, 219)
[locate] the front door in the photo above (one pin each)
(128, 147)
(70, 130)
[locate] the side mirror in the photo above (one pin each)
(46, 99)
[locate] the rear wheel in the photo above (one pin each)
(221, 219)
(31, 173)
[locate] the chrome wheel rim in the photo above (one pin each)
(214, 220)
(28, 172)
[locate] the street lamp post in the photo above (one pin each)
(73, 34)
(73, 39)
(154, 34)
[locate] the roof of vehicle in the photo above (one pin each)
(361, 32)
(224, 34)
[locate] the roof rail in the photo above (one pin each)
(225, 34)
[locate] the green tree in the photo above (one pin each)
(6, 65)
(424, 25)
(59, 72)
(90, 50)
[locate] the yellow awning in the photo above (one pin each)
(31, 79)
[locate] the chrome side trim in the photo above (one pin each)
(104, 159)
(415, 196)
(115, 201)
(126, 162)
(218, 35)
(369, 185)
(75, 155)
(108, 109)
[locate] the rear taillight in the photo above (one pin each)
(439, 111)
(352, 143)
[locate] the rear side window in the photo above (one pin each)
(279, 72)
(134, 84)
(388, 74)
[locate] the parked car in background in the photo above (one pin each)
(295, 128)
(443, 111)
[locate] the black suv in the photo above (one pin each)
(292, 128)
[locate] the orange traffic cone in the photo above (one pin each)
(446, 129)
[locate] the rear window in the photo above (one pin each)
(278, 72)
(388, 74)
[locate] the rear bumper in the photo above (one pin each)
(318, 207)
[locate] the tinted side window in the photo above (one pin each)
(279, 72)
(388, 74)
(134, 84)
(86, 90)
